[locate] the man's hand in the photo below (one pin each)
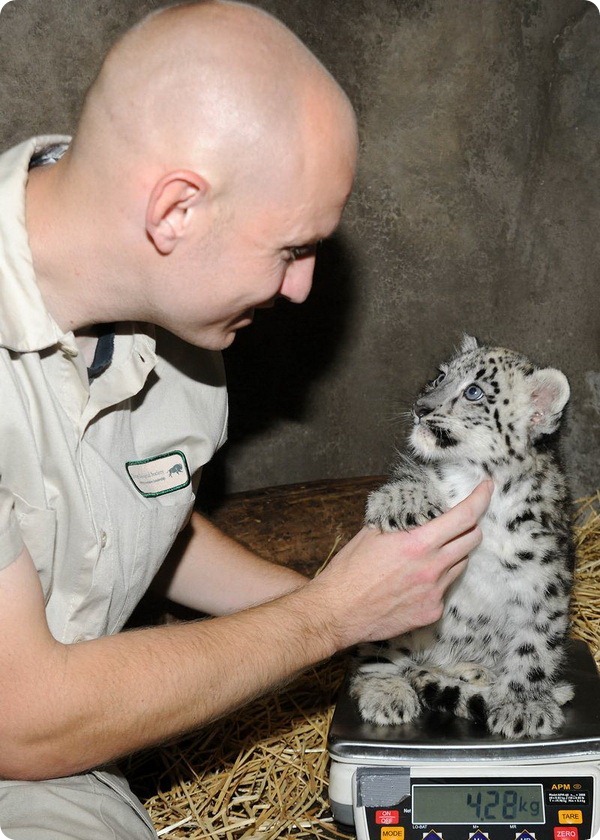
(381, 585)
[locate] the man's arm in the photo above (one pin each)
(66, 708)
(213, 573)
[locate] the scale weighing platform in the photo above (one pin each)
(443, 778)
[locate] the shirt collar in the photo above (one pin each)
(25, 323)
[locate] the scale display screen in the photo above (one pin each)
(469, 804)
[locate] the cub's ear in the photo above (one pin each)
(468, 343)
(549, 394)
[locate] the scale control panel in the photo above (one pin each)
(390, 804)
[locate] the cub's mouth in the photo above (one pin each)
(428, 435)
(443, 437)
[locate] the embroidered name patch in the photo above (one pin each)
(159, 475)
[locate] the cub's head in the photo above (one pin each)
(488, 404)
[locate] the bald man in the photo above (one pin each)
(212, 153)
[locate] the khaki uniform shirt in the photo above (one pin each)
(96, 478)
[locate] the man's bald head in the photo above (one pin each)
(211, 136)
(218, 82)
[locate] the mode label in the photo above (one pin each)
(396, 833)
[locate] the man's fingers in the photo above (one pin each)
(453, 572)
(461, 518)
(458, 548)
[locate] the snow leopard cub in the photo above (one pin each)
(495, 654)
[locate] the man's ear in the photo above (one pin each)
(170, 207)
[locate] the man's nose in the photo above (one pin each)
(297, 282)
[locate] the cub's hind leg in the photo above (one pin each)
(527, 699)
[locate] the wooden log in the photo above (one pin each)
(297, 525)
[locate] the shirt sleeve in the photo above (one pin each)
(11, 541)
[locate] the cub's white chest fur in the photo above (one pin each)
(487, 573)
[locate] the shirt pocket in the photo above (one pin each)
(38, 530)
(158, 527)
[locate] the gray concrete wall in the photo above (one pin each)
(477, 209)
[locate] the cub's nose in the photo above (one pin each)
(421, 409)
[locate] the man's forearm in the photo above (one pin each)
(114, 695)
(211, 572)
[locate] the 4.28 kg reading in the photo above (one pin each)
(468, 803)
(506, 805)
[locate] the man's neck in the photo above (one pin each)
(60, 247)
(43, 223)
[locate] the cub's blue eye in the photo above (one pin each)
(473, 393)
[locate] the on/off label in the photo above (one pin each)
(396, 833)
(387, 816)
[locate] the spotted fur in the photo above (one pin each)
(495, 655)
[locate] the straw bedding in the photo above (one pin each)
(262, 773)
(585, 613)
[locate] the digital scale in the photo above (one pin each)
(444, 778)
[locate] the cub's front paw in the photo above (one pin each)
(525, 718)
(384, 700)
(397, 508)
(442, 691)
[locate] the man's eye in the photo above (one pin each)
(297, 252)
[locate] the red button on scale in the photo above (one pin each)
(387, 817)
(564, 832)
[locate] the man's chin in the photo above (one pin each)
(217, 337)
(244, 320)
(231, 331)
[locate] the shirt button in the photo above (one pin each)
(103, 539)
(69, 351)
